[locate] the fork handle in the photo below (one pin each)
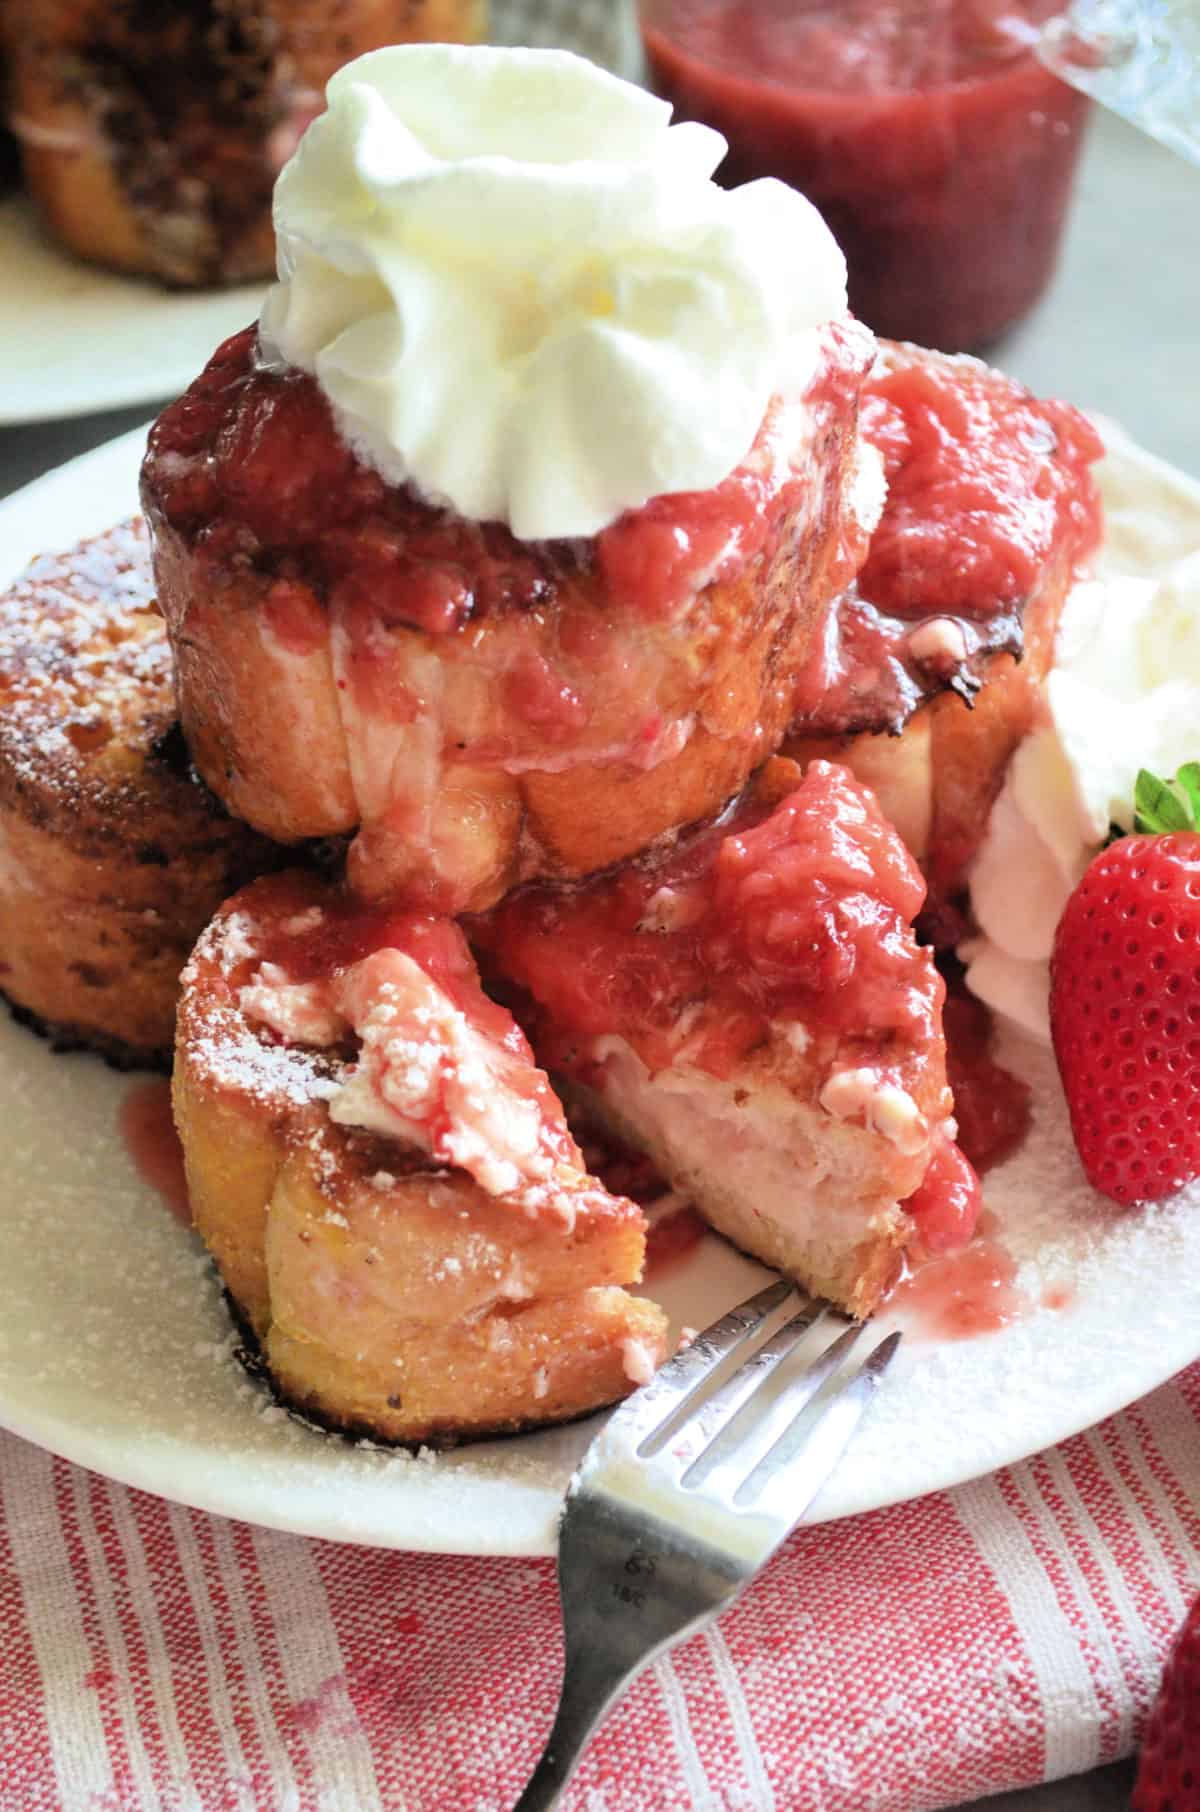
(591, 1683)
(628, 1594)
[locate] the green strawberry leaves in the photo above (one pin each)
(1188, 778)
(1161, 806)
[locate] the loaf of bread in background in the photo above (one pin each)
(152, 131)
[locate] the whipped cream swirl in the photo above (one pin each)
(520, 289)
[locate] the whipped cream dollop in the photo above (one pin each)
(520, 289)
(425, 1074)
(1123, 694)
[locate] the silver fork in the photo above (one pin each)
(686, 1492)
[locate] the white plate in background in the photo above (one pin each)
(75, 339)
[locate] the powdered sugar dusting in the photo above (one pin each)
(87, 741)
(300, 1012)
(424, 1075)
(82, 638)
(227, 1052)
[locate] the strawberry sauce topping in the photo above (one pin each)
(948, 1203)
(984, 484)
(796, 911)
(249, 464)
(663, 552)
(987, 488)
(528, 658)
(314, 941)
(992, 1110)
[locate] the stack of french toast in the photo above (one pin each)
(288, 765)
(421, 848)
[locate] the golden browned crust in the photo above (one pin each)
(112, 857)
(151, 135)
(608, 1316)
(389, 1296)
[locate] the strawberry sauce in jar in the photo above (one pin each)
(937, 147)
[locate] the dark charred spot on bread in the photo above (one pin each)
(91, 976)
(171, 749)
(64, 1039)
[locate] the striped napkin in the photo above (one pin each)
(156, 1659)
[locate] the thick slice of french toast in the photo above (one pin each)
(747, 1004)
(932, 660)
(387, 1182)
(112, 856)
(477, 708)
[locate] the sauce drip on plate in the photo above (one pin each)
(148, 1133)
(963, 1294)
(670, 1240)
(954, 1295)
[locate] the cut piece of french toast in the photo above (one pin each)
(112, 856)
(151, 136)
(386, 1180)
(929, 670)
(747, 1004)
(479, 709)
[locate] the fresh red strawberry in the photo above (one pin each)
(1168, 1778)
(1125, 1000)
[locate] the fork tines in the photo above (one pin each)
(754, 1414)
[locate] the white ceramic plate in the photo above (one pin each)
(103, 341)
(116, 1352)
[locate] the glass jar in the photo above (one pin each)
(939, 149)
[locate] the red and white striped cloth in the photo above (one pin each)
(1011, 1631)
